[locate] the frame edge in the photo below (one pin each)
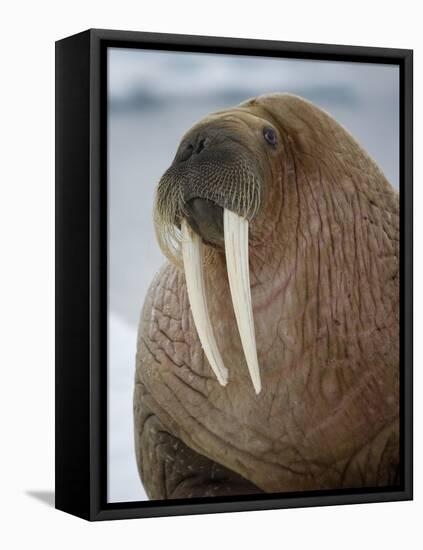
(72, 369)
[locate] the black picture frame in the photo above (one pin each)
(81, 271)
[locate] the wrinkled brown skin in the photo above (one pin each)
(324, 253)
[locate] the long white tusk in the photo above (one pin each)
(192, 253)
(236, 247)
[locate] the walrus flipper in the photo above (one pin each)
(169, 469)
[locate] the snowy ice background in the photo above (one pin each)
(153, 98)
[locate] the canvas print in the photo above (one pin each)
(253, 275)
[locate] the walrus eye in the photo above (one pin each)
(270, 136)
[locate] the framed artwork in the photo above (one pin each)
(233, 274)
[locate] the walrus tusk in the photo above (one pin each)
(192, 253)
(236, 248)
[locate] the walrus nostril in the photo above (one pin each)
(201, 145)
(190, 148)
(186, 153)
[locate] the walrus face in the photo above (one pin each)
(210, 194)
(218, 164)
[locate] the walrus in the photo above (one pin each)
(268, 344)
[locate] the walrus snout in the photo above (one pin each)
(206, 219)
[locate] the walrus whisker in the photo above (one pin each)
(238, 190)
(192, 253)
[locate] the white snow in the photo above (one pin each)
(123, 481)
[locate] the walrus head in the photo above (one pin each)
(220, 164)
(224, 190)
